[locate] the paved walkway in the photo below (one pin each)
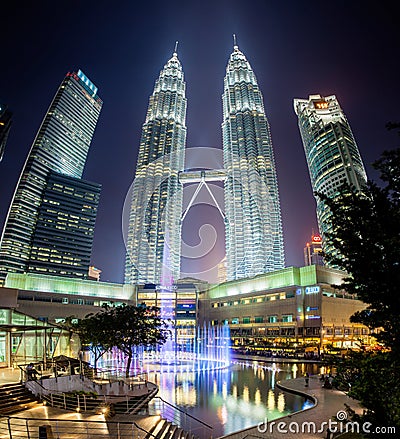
(9, 375)
(68, 424)
(328, 403)
(71, 425)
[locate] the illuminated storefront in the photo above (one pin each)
(177, 302)
(289, 307)
(24, 339)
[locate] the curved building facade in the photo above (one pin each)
(331, 151)
(61, 146)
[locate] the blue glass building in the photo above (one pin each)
(61, 145)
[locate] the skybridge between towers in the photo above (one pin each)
(202, 177)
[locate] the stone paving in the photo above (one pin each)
(9, 375)
(328, 403)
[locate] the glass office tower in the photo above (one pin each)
(61, 145)
(63, 237)
(253, 227)
(331, 152)
(154, 232)
(5, 125)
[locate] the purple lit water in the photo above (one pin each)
(233, 398)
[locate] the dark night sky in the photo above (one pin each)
(296, 48)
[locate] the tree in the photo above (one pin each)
(125, 327)
(366, 234)
(94, 332)
(373, 379)
(135, 326)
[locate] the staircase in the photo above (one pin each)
(166, 430)
(14, 398)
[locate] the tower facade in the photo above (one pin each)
(5, 125)
(63, 236)
(331, 151)
(253, 226)
(154, 230)
(61, 145)
(313, 251)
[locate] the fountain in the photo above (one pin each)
(208, 350)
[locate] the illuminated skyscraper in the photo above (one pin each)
(313, 251)
(253, 227)
(5, 125)
(63, 236)
(331, 151)
(154, 231)
(61, 145)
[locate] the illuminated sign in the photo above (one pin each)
(316, 238)
(166, 287)
(87, 82)
(320, 105)
(312, 290)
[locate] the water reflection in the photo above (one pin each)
(236, 397)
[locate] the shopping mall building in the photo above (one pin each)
(292, 307)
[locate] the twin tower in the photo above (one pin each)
(253, 227)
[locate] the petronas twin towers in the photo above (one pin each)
(253, 228)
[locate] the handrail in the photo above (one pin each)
(145, 401)
(82, 421)
(58, 398)
(183, 411)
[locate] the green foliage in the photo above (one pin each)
(366, 235)
(373, 378)
(135, 326)
(93, 395)
(125, 327)
(94, 332)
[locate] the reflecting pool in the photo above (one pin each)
(236, 397)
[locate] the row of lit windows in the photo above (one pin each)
(68, 301)
(258, 299)
(286, 318)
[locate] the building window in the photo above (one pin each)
(286, 318)
(235, 321)
(272, 319)
(246, 319)
(259, 319)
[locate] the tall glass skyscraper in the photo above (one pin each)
(5, 125)
(331, 152)
(63, 237)
(61, 145)
(154, 232)
(253, 229)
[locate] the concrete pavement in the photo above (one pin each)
(309, 423)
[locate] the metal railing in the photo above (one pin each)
(177, 416)
(90, 396)
(83, 402)
(100, 403)
(34, 428)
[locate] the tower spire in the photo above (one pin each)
(235, 46)
(176, 48)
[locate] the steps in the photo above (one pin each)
(14, 398)
(166, 430)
